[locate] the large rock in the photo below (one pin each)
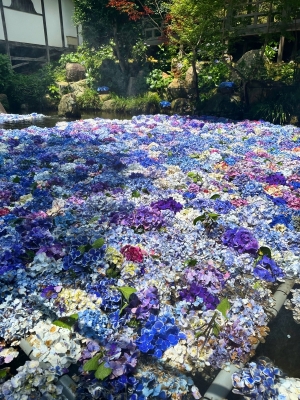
(108, 105)
(4, 101)
(68, 106)
(251, 64)
(78, 88)
(63, 87)
(75, 72)
(223, 105)
(189, 75)
(2, 109)
(177, 89)
(181, 106)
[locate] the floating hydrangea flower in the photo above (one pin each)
(241, 240)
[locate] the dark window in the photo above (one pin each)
(23, 5)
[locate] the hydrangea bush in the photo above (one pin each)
(142, 250)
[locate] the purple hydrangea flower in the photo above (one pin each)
(268, 270)
(241, 240)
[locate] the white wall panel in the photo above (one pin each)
(24, 27)
(68, 11)
(1, 30)
(53, 23)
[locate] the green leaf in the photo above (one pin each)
(123, 308)
(265, 251)
(200, 218)
(82, 249)
(94, 219)
(3, 373)
(213, 216)
(191, 263)
(215, 196)
(17, 179)
(223, 307)
(216, 329)
(135, 193)
(126, 291)
(74, 316)
(92, 364)
(102, 372)
(66, 322)
(98, 243)
(112, 272)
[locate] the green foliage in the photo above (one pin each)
(140, 104)
(277, 110)
(126, 291)
(271, 50)
(157, 82)
(102, 372)
(30, 89)
(211, 75)
(6, 73)
(66, 322)
(89, 100)
(53, 91)
(93, 363)
(284, 72)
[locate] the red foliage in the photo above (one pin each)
(133, 11)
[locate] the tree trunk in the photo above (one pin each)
(122, 62)
(195, 75)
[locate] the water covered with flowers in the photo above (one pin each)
(142, 251)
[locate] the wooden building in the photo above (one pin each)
(34, 31)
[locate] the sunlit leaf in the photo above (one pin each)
(223, 307)
(98, 243)
(200, 218)
(102, 372)
(126, 291)
(265, 251)
(92, 364)
(66, 322)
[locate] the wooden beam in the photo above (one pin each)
(4, 29)
(61, 24)
(45, 31)
(29, 58)
(280, 49)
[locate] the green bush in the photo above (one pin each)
(147, 103)
(30, 89)
(278, 110)
(90, 58)
(157, 82)
(89, 100)
(6, 73)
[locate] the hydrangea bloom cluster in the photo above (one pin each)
(158, 334)
(136, 233)
(30, 382)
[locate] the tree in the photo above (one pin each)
(196, 25)
(101, 23)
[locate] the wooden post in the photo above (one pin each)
(4, 29)
(45, 31)
(280, 49)
(61, 24)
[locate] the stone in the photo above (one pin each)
(75, 72)
(108, 105)
(189, 75)
(2, 109)
(63, 87)
(104, 97)
(68, 106)
(177, 89)
(255, 91)
(251, 64)
(224, 105)
(4, 101)
(78, 88)
(181, 106)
